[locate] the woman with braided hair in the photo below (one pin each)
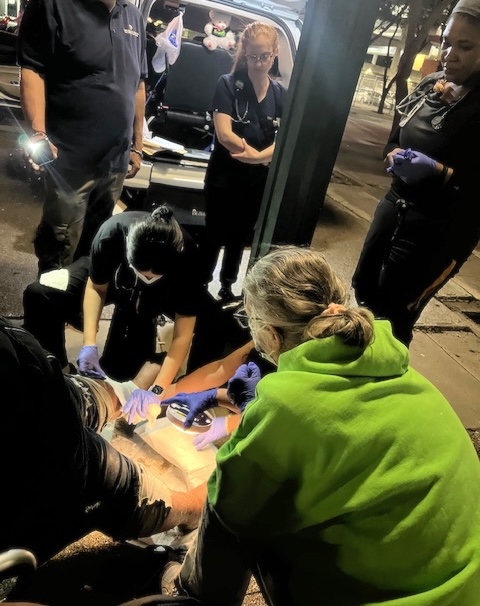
(350, 479)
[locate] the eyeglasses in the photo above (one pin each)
(263, 58)
(241, 317)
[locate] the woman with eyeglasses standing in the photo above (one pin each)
(146, 266)
(428, 224)
(247, 107)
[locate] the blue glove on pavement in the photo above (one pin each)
(138, 404)
(88, 364)
(197, 402)
(218, 430)
(241, 387)
(412, 166)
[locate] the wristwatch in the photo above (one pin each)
(157, 390)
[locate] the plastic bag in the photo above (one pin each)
(169, 43)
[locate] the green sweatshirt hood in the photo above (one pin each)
(384, 357)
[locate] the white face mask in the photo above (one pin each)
(260, 344)
(144, 278)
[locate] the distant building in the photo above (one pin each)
(9, 7)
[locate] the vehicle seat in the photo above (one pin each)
(189, 89)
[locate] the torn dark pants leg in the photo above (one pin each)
(122, 498)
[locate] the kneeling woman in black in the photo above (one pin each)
(146, 265)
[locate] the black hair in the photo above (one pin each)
(154, 243)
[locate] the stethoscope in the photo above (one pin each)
(240, 118)
(412, 106)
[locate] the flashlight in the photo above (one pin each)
(39, 151)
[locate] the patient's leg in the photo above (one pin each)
(125, 500)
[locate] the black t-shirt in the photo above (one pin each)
(92, 61)
(178, 291)
(255, 122)
(447, 133)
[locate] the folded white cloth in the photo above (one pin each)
(57, 278)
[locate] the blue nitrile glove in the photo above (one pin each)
(412, 166)
(88, 364)
(241, 387)
(138, 404)
(197, 402)
(218, 430)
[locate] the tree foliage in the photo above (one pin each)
(419, 18)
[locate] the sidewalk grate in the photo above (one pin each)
(469, 307)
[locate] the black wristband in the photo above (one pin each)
(444, 172)
(157, 390)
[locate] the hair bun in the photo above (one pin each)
(162, 213)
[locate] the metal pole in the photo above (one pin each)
(331, 52)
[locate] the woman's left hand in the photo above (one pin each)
(249, 155)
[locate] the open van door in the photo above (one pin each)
(179, 98)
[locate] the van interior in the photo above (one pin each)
(179, 97)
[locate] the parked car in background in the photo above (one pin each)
(9, 71)
(179, 98)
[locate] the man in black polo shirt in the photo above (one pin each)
(83, 66)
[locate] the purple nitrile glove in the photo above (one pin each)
(88, 364)
(412, 166)
(197, 402)
(138, 403)
(218, 430)
(241, 387)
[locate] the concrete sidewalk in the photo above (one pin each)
(446, 345)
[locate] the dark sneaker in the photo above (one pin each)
(226, 295)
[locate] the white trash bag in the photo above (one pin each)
(168, 43)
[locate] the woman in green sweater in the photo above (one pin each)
(350, 480)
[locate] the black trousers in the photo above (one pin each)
(231, 214)
(131, 337)
(406, 259)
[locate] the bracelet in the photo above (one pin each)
(40, 132)
(444, 172)
(136, 151)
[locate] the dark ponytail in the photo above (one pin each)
(154, 243)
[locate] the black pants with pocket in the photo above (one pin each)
(406, 259)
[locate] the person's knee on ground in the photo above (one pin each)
(45, 316)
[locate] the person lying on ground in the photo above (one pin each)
(62, 479)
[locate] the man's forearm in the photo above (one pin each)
(32, 96)
(137, 139)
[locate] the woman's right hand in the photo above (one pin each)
(388, 160)
(88, 362)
